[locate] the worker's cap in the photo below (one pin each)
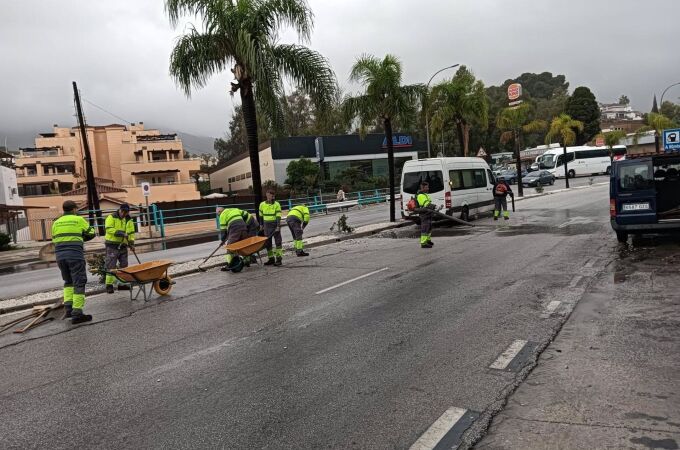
(125, 207)
(69, 205)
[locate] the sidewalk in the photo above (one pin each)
(611, 378)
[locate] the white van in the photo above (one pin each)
(463, 185)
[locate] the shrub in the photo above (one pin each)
(97, 263)
(539, 189)
(5, 240)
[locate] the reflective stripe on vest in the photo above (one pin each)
(301, 212)
(423, 200)
(228, 216)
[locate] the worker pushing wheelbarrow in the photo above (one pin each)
(236, 233)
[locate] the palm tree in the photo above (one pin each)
(611, 139)
(385, 100)
(562, 128)
(243, 35)
(515, 122)
(656, 122)
(463, 101)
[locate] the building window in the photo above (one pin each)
(249, 175)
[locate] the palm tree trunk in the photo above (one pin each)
(459, 133)
(566, 169)
(250, 122)
(520, 188)
(466, 139)
(390, 165)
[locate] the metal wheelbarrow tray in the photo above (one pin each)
(141, 275)
(247, 247)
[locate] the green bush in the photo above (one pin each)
(5, 241)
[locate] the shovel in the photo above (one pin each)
(201, 269)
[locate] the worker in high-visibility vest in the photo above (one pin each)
(69, 232)
(426, 210)
(232, 229)
(120, 234)
(252, 224)
(270, 213)
(297, 220)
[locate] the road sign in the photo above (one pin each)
(671, 140)
(514, 91)
(599, 142)
(481, 153)
(146, 189)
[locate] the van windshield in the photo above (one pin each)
(412, 181)
(636, 177)
(548, 161)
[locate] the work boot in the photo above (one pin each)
(495, 218)
(246, 261)
(270, 262)
(278, 261)
(302, 253)
(68, 310)
(506, 218)
(431, 243)
(225, 269)
(123, 287)
(426, 245)
(77, 317)
(109, 289)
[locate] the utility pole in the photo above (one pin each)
(92, 197)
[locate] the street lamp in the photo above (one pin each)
(427, 107)
(664, 92)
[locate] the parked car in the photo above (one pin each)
(510, 175)
(541, 177)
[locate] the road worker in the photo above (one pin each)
(120, 234)
(270, 213)
(424, 203)
(232, 229)
(69, 232)
(501, 190)
(252, 224)
(297, 220)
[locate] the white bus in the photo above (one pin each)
(580, 161)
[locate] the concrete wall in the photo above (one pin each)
(9, 193)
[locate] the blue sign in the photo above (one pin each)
(399, 141)
(671, 140)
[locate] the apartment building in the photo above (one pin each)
(123, 157)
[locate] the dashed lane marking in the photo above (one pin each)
(352, 280)
(575, 281)
(508, 355)
(550, 308)
(447, 431)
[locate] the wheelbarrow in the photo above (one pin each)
(247, 247)
(140, 276)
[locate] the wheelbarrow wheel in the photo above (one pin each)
(163, 286)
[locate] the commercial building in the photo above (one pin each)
(123, 157)
(335, 153)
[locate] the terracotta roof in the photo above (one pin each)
(148, 172)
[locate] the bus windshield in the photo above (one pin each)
(548, 161)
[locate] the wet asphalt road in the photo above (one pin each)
(284, 358)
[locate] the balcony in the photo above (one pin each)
(51, 155)
(41, 178)
(183, 165)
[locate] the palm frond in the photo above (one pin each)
(274, 14)
(196, 57)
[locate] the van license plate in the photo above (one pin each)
(635, 206)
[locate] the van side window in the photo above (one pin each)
(492, 179)
(412, 181)
(467, 179)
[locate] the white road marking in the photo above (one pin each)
(351, 281)
(575, 281)
(438, 429)
(590, 263)
(552, 306)
(502, 362)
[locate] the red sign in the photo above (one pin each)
(599, 142)
(514, 91)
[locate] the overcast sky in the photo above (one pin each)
(118, 50)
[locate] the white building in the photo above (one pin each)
(616, 112)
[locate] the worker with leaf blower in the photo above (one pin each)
(270, 213)
(427, 208)
(297, 220)
(69, 232)
(501, 190)
(120, 234)
(233, 229)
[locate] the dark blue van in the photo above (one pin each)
(644, 195)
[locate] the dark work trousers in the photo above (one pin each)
(253, 226)
(269, 232)
(74, 274)
(116, 258)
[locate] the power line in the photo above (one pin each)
(107, 112)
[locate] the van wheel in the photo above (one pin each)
(572, 174)
(465, 214)
(608, 171)
(622, 236)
